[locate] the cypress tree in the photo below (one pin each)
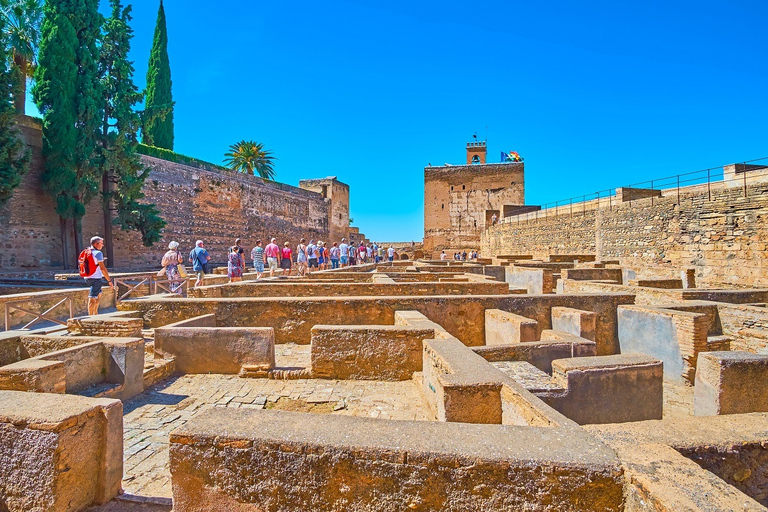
(14, 156)
(68, 94)
(158, 121)
(123, 175)
(54, 94)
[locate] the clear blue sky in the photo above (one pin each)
(592, 94)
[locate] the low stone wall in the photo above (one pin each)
(730, 383)
(533, 280)
(503, 328)
(667, 284)
(210, 349)
(115, 325)
(461, 316)
(629, 387)
(746, 324)
(674, 337)
(321, 289)
(60, 453)
(574, 321)
(553, 345)
(300, 462)
(116, 361)
(593, 274)
(367, 352)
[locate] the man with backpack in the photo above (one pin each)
(92, 269)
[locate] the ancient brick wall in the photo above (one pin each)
(723, 238)
(458, 200)
(214, 206)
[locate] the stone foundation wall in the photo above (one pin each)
(722, 238)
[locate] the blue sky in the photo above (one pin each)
(593, 95)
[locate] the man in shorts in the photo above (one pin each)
(344, 253)
(199, 257)
(99, 271)
(312, 255)
(272, 252)
(257, 255)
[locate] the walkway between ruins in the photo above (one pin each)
(151, 416)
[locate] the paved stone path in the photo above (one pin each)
(150, 417)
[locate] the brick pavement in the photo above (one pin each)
(151, 416)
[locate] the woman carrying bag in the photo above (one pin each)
(174, 270)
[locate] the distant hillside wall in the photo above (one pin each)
(197, 204)
(723, 238)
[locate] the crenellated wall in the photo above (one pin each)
(197, 204)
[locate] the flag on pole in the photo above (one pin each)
(512, 156)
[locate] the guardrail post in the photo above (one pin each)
(651, 192)
(678, 189)
(71, 307)
(745, 181)
(7, 318)
(584, 206)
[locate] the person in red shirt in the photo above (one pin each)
(272, 252)
(285, 259)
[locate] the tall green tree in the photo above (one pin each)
(68, 94)
(54, 94)
(22, 37)
(122, 174)
(251, 158)
(158, 110)
(14, 156)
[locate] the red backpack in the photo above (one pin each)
(87, 263)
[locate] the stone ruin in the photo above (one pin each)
(509, 384)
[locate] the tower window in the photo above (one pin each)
(442, 207)
(463, 187)
(451, 188)
(475, 159)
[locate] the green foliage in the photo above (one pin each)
(250, 157)
(119, 160)
(170, 156)
(54, 94)
(14, 156)
(22, 37)
(158, 110)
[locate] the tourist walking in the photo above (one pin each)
(272, 252)
(301, 258)
(92, 269)
(257, 255)
(391, 253)
(312, 255)
(343, 253)
(443, 256)
(322, 255)
(199, 258)
(170, 263)
(361, 253)
(236, 263)
(286, 256)
(334, 254)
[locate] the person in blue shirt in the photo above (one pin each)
(199, 259)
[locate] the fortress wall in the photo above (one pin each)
(196, 203)
(724, 238)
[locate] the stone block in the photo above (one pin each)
(114, 325)
(609, 389)
(216, 349)
(268, 460)
(368, 352)
(34, 375)
(730, 383)
(503, 328)
(575, 321)
(60, 452)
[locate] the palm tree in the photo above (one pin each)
(22, 35)
(248, 156)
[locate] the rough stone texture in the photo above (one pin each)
(293, 318)
(574, 321)
(593, 274)
(533, 280)
(504, 328)
(609, 389)
(384, 352)
(729, 475)
(113, 325)
(60, 452)
(216, 349)
(214, 205)
(730, 383)
(557, 345)
(722, 238)
(338, 214)
(292, 461)
(459, 201)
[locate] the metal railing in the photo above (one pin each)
(134, 286)
(652, 189)
(15, 305)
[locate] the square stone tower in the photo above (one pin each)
(337, 193)
(460, 200)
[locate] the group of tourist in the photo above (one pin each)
(460, 256)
